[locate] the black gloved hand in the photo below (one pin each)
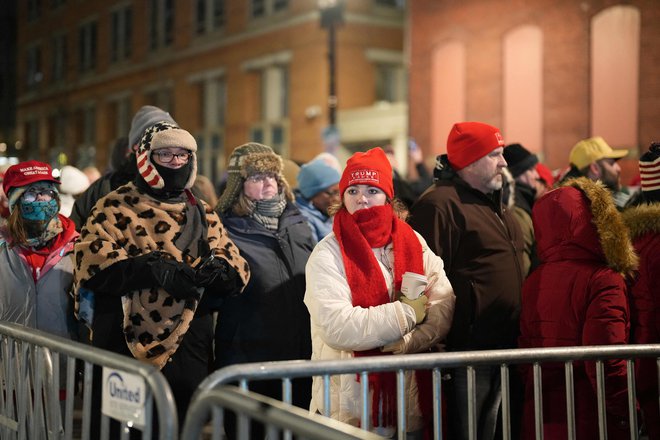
(178, 279)
(218, 275)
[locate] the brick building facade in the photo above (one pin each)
(548, 72)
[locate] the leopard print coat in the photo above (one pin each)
(127, 223)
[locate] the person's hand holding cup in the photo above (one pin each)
(413, 286)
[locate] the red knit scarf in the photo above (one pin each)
(357, 234)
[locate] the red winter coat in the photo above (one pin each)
(577, 296)
(644, 224)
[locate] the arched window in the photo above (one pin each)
(523, 87)
(447, 92)
(615, 75)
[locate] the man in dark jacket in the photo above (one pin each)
(463, 221)
(522, 166)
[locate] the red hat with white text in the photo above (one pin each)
(370, 168)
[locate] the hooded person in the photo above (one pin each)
(354, 283)
(269, 321)
(318, 189)
(643, 220)
(158, 261)
(36, 267)
(123, 163)
(580, 287)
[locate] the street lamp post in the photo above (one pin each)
(332, 15)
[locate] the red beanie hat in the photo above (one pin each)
(371, 168)
(470, 141)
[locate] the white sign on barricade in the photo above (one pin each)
(124, 396)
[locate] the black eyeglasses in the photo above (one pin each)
(168, 156)
(32, 195)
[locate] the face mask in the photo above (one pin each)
(39, 211)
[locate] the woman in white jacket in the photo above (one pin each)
(353, 296)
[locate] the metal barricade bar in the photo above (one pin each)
(276, 415)
(28, 353)
(436, 362)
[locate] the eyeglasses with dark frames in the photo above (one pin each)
(168, 156)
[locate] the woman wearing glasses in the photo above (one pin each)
(35, 251)
(158, 261)
(269, 321)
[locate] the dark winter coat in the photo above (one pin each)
(577, 296)
(644, 224)
(268, 321)
(481, 245)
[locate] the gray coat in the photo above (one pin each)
(44, 304)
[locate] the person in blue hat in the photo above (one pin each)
(318, 189)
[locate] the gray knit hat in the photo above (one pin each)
(147, 116)
(246, 160)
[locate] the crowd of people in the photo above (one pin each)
(285, 261)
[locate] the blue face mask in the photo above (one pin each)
(39, 211)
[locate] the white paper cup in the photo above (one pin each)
(413, 285)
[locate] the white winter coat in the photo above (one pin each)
(339, 328)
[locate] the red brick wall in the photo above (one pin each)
(480, 25)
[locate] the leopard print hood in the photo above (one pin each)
(128, 223)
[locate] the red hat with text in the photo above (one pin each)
(470, 141)
(26, 173)
(371, 168)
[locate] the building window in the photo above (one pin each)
(210, 153)
(272, 129)
(121, 34)
(86, 150)
(210, 16)
(33, 10)
(262, 8)
(161, 98)
(523, 86)
(399, 4)
(615, 53)
(161, 23)
(59, 58)
(34, 73)
(390, 83)
(32, 137)
(57, 3)
(123, 117)
(87, 43)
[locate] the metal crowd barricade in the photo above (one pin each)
(275, 415)
(30, 406)
(437, 362)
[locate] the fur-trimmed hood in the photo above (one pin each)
(579, 220)
(642, 219)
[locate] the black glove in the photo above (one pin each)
(178, 279)
(216, 274)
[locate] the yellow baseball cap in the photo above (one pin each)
(590, 150)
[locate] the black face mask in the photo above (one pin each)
(175, 179)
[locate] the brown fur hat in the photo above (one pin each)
(247, 160)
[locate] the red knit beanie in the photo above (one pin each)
(371, 168)
(470, 141)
